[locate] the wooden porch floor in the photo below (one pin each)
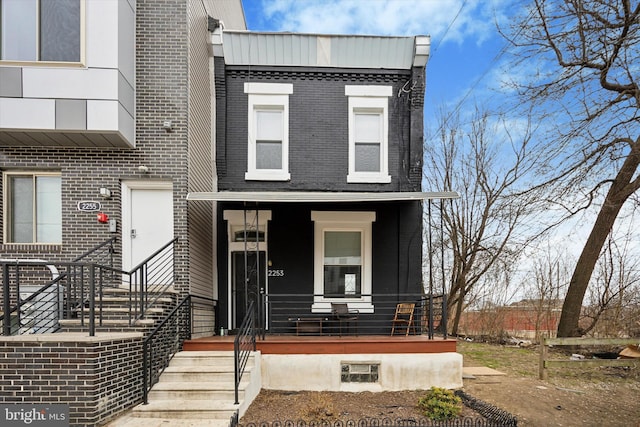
(365, 344)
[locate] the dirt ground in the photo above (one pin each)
(588, 396)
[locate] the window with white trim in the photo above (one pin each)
(32, 208)
(368, 134)
(268, 131)
(342, 259)
(36, 30)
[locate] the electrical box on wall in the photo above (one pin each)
(112, 226)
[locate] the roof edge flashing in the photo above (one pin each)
(422, 51)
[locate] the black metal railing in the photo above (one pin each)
(203, 316)
(101, 254)
(36, 311)
(243, 344)
(80, 285)
(164, 342)
(371, 314)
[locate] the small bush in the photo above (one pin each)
(440, 404)
(320, 409)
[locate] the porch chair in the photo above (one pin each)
(342, 314)
(404, 316)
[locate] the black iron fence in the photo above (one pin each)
(372, 314)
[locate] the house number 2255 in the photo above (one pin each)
(276, 273)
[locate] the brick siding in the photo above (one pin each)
(318, 128)
(97, 377)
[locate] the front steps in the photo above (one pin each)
(199, 385)
(114, 305)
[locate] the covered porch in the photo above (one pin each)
(363, 344)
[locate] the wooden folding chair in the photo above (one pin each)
(404, 317)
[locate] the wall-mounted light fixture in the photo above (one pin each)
(143, 169)
(167, 125)
(105, 193)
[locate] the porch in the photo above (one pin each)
(332, 344)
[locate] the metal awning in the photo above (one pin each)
(313, 196)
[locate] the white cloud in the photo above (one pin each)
(455, 20)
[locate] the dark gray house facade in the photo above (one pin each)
(319, 168)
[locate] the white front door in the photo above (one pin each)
(147, 219)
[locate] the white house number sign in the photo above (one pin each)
(88, 206)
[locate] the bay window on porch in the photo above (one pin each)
(342, 260)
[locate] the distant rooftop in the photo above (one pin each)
(317, 50)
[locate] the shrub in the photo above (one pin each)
(440, 404)
(320, 409)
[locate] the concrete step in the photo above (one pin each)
(186, 409)
(106, 322)
(197, 373)
(129, 420)
(223, 391)
(205, 358)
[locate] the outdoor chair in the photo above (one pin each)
(403, 317)
(342, 314)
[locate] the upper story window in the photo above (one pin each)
(268, 131)
(32, 207)
(40, 30)
(368, 133)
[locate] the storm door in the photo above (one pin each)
(248, 282)
(247, 279)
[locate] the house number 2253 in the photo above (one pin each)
(276, 273)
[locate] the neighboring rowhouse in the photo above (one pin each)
(109, 102)
(105, 108)
(319, 154)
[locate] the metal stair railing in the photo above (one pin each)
(163, 343)
(243, 344)
(83, 282)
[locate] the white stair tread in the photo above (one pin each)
(186, 405)
(196, 386)
(131, 421)
(222, 368)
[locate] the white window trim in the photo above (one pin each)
(274, 96)
(342, 221)
(371, 98)
(5, 213)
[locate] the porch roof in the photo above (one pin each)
(313, 196)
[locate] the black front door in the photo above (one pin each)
(246, 287)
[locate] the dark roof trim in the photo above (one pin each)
(313, 197)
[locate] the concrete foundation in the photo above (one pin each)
(394, 371)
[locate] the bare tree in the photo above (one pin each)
(543, 287)
(614, 290)
(487, 162)
(583, 58)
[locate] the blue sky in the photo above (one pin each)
(465, 57)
